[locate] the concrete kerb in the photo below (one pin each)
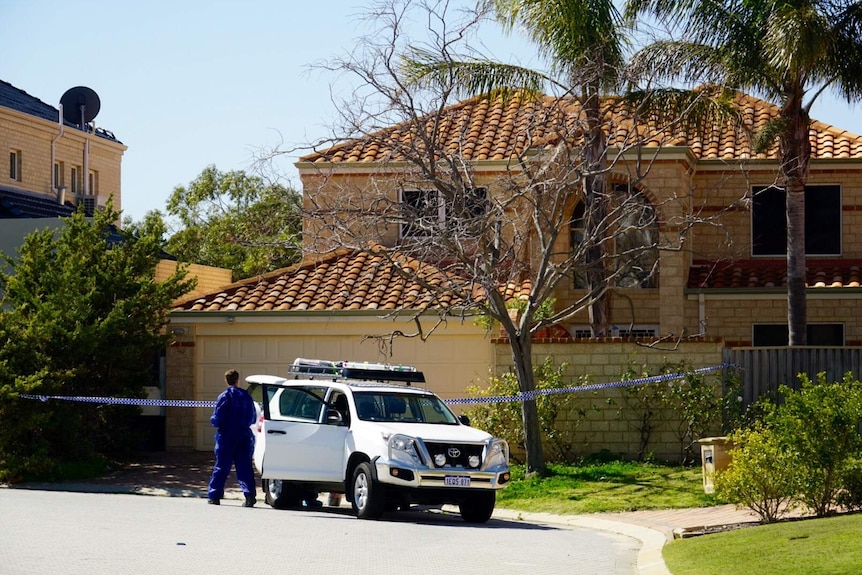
(649, 561)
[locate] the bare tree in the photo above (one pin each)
(494, 213)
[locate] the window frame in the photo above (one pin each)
(75, 179)
(649, 330)
(16, 165)
(775, 222)
(577, 232)
(59, 175)
(477, 205)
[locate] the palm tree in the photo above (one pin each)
(584, 43)
(789, 51)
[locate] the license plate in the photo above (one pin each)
(456, 481)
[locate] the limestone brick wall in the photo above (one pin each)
(209, 278)
(733, 317)
(180, 384)
(32, 137)
(611, 424)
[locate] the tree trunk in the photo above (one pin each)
(595, 215)
(795, 156)
(523, 361)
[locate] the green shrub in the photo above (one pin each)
(850, 497)
(817, 427)
(820, 422)
(690, 406)
(762, 474)
(505, 419)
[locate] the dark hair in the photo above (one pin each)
(231, 376)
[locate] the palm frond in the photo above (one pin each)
(471, 77)
(767, 136)
(693, 112)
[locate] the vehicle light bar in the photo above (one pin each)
(357, 370)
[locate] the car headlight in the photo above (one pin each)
(403, 448)
(497, 454)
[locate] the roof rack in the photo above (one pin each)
(356, 370)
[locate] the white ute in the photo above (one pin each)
(364, 430)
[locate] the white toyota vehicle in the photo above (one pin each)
(364, 430)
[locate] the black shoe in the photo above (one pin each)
(249, 501)
(213, 502)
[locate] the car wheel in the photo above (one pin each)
(478, 507)
(369, 499)
(278, 494)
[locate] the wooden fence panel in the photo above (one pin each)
(764, 369)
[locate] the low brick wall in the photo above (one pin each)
(610, 422)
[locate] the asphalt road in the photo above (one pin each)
(46, 532)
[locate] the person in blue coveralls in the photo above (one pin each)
(233, 416)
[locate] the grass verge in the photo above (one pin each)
(606, 487)
(827, 546)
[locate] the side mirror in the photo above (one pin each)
(333, 417)
(464, 419)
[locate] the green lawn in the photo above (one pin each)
(606, 487)
(828, 546)
(831, 546)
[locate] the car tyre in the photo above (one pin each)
(369, 498)
(279, 495)
(478, 507)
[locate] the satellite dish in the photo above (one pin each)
(80, 105)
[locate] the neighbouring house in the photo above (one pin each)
(53, 167)
(723, 289)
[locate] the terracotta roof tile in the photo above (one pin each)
(479, 129)
(341, 280)
(753, 274)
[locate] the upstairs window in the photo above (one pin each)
(426, 212)
(635, 246)
(59, 180)
(75, 179)
(93, 183)
(15, 165)
(636, 241)
(822, 221)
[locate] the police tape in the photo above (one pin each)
(123, 401)
(523, 396)
(532, 395)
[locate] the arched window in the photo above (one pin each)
(636, 239)
(632, 219)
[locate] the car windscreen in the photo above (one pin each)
(402, 407)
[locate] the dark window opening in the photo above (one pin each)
(822, 221)
(777, 335)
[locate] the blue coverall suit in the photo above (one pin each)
(233, 415)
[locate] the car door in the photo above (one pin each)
(296, 441)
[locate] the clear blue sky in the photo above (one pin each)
(189, 83)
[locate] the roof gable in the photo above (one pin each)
(483, 129)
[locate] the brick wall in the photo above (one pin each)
(609, 423)
(33, 136)
(179, 384)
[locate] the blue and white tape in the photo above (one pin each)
(524, 396)
(123, 400)
(532, 395)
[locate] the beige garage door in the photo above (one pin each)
(452, 358)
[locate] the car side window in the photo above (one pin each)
(294, 403)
